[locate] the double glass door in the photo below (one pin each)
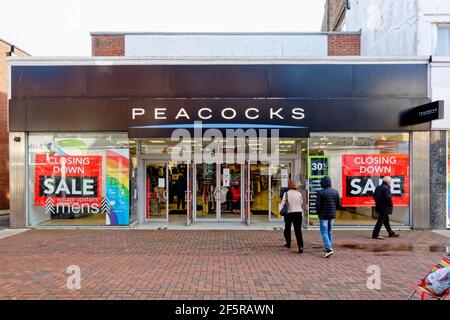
(214, 192)
(218, 190)
(168, 193)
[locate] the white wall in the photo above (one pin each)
(397, 27)
(226, 45)
(406, 28)
(388, 27)
(431, 14)
(440, 88)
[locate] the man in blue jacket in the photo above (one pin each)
(326, 205)
(384, 207)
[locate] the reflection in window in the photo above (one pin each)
(443, 41)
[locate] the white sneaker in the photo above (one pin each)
(328, 254)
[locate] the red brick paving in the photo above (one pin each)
(146, 264)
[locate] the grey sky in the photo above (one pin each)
(61, 28)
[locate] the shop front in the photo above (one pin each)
(138, 142)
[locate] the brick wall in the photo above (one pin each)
(344, 45)
(5, 51)
(108, 45)
(4, 153)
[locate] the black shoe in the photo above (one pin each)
(287, 245)
(300, 250)
(394, 235)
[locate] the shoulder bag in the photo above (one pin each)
(284, 210)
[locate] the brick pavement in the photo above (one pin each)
(150, 264)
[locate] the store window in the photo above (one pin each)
(356, 163)
(448, 180)
(443, 41)
(78, 179)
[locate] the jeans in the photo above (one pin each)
(296, 219)
(382, 219)
(326, 229)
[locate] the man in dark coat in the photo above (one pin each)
(383, 206)
(327, 203)
(181, 192)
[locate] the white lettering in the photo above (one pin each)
(74, 187)
(49, 185)
(370, 186)
(137, 112)
(298, 113)
(233, 112)
(275, 113)
(182, 113)
(256, 116)
(356, 189)
(160, 113)
(204, 117)
(88, 187)
(62, 187)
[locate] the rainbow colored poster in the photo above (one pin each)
(117, 187)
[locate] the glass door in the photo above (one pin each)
(259, 188)
(280, 175)
(247, 193)
(189, 194)
(156, 190)
(206, 192)
(230, 192)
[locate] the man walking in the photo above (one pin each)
(384, 207)
(326, 205)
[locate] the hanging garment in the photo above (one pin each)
(223, 194)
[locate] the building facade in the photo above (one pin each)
(184, 128)
(409, 28)
(93, 139)
(6, 50)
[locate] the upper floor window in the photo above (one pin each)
(443, 41)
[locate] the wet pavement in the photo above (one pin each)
(212, 264)
(445, 250)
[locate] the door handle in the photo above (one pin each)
(165, 195)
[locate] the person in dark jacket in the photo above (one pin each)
(181, 192)
(383, 206)
(327, 203)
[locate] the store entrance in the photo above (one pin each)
(219, 192)
(167, 191)
(267, 183)
(182, 192)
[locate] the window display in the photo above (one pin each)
(356, 164)
(80, 179)
(448, 182)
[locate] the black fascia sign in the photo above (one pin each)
(423, 113)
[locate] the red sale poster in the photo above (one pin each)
(68, 179)
(362, 173)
